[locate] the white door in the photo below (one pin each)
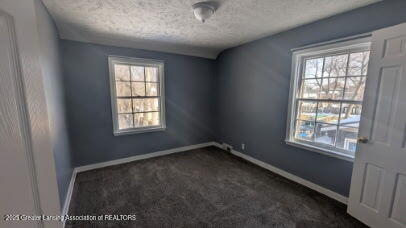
(378, 186)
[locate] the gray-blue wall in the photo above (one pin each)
(50, 59)
(253, 87)
(240, 97)
(189, 97)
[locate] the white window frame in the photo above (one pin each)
(298, 57)
(136, 62)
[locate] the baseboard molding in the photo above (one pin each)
(140, 157)
(264, 165)
(289, 176)
(79, 169)
(68, 197)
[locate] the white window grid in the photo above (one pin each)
(298, 60)
(113, 60)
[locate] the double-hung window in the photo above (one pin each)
(137, 95)
(327, 88)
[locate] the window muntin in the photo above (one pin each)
(137, 95)
(328, 99)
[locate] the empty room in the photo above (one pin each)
(194, 113)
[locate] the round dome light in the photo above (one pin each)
(203, 11)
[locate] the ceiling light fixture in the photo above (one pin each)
(203, 10)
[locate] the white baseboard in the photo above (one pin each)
(68, 197)
(140, 157)
(283, 173)
(121, 161)
(289, 176)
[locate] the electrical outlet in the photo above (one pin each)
(242, 146)
(227, 147)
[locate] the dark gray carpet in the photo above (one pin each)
(201, 188)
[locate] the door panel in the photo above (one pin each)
(387, 95)
(378, 185)
(395, 46)
(398, 210)
(371, 191)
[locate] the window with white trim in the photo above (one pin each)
(327, 89)
(137, 95)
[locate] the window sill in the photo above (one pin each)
(139, 131)
(327, 152)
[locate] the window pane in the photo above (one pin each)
(146, 104)
(335, 66)
(140, 120)
(358, 64)
(122, 72)
(151, 74)
(152, 89)
(332, 88)
(313, 68)
(328, 112)
(123, 89)
(325, 133)
(354, 88)
(138, 105)
(310, 88)
(350, 114)
(307, 110)
(152, 118)
(125, 121)
(151, 104)
(146, 119)
(347, 138)
(124, 106)
(138, 89)
(137, 73)
(304, 130)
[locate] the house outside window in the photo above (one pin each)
(326, 95)
(137, 95)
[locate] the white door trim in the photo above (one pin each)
(22, 111)
(34, 125)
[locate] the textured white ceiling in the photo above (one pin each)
(169, 25)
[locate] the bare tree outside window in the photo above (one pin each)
(329, 102)
(137, 96)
